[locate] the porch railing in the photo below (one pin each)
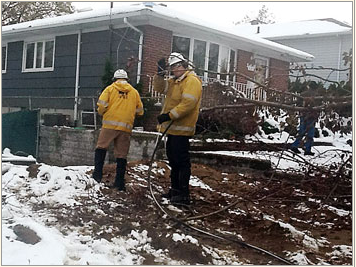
(248, 89)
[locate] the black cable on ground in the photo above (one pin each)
(244, 244)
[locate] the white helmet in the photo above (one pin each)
(120, 74)
(175, 58)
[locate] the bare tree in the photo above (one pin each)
(17, 12)
(263, 17)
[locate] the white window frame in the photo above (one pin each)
(206, 66)
(235, 66)
(207, 50)
(34, 69)
(190, 44)
(7, 52)
(221, 47)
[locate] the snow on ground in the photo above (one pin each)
(289, 161)
(59, 186)
(56, 185)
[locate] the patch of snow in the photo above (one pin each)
(302, 207)
(339, 212)
(237, 212)
(341, 251)
(299, 258)
(195, 181)
(182, 237)
(307, 240)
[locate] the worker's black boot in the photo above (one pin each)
(171, 193)
(120, 174)
(174, 190)
(184, 196)
(99, 159)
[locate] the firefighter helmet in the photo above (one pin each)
(120, 74)
(175, 58)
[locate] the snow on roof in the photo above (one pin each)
(253, 39)
(296, 28)
(161, 11)
(70, 18)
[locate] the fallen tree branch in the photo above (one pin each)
(284, 106)
(313, 75)
(318, 68)
(228, 107)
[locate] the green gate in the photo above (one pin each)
(20, 131)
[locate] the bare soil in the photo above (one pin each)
(264, 206)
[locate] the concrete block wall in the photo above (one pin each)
(63, 146)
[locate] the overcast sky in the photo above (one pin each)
(229, 12)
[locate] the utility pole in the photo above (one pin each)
(110, 30)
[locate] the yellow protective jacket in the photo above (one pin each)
(183, 98)
(118, 104)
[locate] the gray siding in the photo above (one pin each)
(60, 82)
(327, 53)
(96, 49)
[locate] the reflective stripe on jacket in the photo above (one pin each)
(183, 98)
(118, 104)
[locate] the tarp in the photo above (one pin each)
(20, 132)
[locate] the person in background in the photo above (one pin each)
(183, 97)
(308, 119)
(119, 103)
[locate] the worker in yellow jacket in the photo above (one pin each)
(119, 103)
(182, 103)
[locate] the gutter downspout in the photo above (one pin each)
(76, 92)
(139, 49)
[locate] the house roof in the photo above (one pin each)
(160, 16)
(297, 29)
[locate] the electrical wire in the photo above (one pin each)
(180, 222)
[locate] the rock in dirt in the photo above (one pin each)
(26, 235)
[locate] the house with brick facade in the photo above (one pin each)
(57, 64)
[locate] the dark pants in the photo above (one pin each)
(306, 128)
(177, 149)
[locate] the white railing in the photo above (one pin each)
(247, 90)
(250, 91)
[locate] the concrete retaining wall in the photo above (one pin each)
(63, 146)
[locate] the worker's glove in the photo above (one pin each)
(163, 117)
(162, 66)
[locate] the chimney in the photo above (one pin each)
(258, 29)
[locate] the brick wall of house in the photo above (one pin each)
(150, 119)
(278, 73)
(157, 43)
(244, 58)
